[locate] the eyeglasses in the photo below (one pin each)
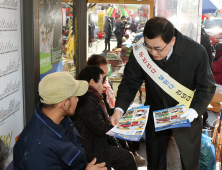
(149, 48)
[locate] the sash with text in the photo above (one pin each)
(176, 90)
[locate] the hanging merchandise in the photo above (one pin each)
(101, 14)
(123, 11)
(116, 9)
(112, 11)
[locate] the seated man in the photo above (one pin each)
(49, 141)
(92, 122)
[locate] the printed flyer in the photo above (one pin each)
(170, 118)
(50, 36)
(132, 124)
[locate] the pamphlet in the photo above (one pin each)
(170, 118)
(132, 124)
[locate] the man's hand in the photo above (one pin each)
(116, 117)
(190, 114)
(92, 166)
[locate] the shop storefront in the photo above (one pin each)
(136, 14)
(135, 17)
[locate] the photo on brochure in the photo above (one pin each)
(170, 118)
(132, 124)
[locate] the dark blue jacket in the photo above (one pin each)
(45, 145)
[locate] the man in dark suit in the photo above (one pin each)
(184, 61)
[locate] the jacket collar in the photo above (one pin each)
(168, 56)
(179, 48)
(95, 93)
(58, 130)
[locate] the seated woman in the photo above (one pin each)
(92, 122)
(108, 94)
(109, 100)
(217, 64)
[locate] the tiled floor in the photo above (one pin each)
(142, 152)
(173, 156)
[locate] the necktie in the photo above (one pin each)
(160, 63)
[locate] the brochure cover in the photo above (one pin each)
(170, 118)
(132, 124)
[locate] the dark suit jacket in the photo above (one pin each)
(205, 41)
(188, 65)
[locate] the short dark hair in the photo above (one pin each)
(90, 72)
(123, 17)
(159, 26)
(218, 47)
(50, 106)
(96, 60)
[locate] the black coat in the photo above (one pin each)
(92, 126)
(205, 41)
(108, 28)
(188, 65)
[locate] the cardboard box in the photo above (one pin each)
(217, 97)
(215, 104)
(114, 63)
